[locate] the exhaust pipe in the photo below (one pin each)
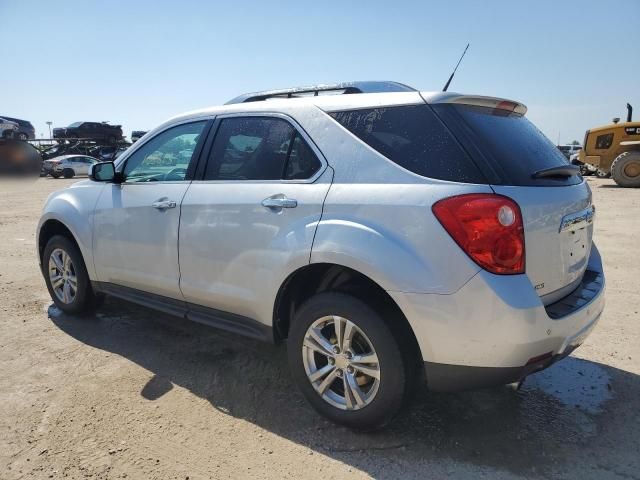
(629, 112)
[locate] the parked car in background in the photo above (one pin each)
(63, 149)
(68, 166)
(25, 129)
(382, 231)
(568, 150)
(107, 153)
(8, 129)
(137, 135)
(90, 130)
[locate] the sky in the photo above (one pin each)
(575, 64)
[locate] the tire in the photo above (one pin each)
(55, 175)
(69, 301)
(379, 402)
(625, 169)
(68, 173)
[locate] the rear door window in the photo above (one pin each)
(302, 163)
(506, 142)
(259, 148)
(413, 137)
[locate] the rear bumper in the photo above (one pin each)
(495, 329)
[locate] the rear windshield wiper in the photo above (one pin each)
(561, 171)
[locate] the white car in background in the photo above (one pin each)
(7, 128)
(68, 166)
(569, 150)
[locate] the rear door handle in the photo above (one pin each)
(164, 204)
(279, 201)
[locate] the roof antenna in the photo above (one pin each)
(454, 70)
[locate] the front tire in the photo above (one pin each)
(348, 362)
(66, 276)
(68, 173)
(625, 169)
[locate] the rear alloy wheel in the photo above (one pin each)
(341, 363)
(625, 169)
(66, 276)
(347, 361)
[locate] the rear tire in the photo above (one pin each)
(625, 169)
(66, 276)
(363, 395)
(68, 173)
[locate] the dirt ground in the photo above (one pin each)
(132, 393)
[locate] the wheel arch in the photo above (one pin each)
(49, 229)
(315, 278)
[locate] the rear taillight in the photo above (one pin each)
(487, 227)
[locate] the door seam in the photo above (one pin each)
(315, 231)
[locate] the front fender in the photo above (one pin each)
(73, 207)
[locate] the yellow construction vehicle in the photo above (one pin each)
(614, 150)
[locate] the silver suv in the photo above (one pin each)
(381, 231)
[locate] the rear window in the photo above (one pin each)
(413, 137)
(507, 143)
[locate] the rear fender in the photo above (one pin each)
(385, 257)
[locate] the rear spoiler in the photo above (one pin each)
(476, 100)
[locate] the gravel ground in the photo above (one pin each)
(132, 393)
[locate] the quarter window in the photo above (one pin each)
(166, 156)
(259, 148)
(604, 141)
(414, 138)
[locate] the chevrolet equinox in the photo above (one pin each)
(384, 233)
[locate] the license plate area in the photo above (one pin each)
(576, 231)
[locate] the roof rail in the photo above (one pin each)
(338, 88)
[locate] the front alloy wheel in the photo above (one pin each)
(341, 363)
(62, 275)
(66, 276)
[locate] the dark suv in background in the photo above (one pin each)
(25, 129)
(92, 130)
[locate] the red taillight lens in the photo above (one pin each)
(487, 227)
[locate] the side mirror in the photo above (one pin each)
(104, 172)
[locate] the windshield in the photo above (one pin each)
(75, 124)
(508, 142)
